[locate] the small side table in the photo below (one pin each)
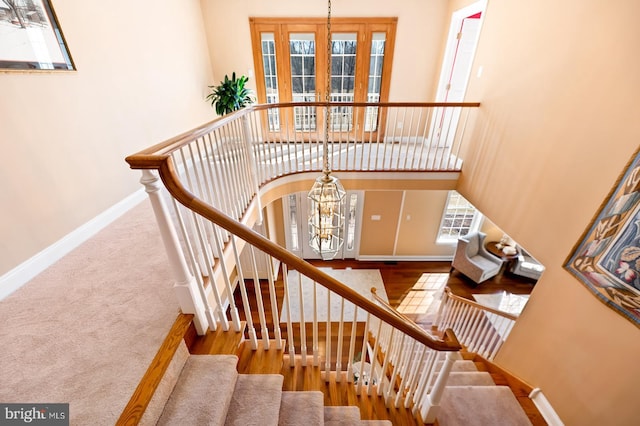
(492, 248)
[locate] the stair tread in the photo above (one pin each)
(459, 365)
(341, 415)
(470, 378)
(301, 408)
(255, 400)
(192, 400)
(480, 406)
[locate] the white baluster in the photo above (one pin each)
(287, 304)
(248, 138)
(327, 361)
(425, 379)
(274, 303)
(374, 358)
(209, 265)
(385, 364)
(303, 334)
(405, 371)
(340, 337)
(264, 330)
(316, 351)
(413, 378)
(352, 344)
(245, 299)
(235, 317)
(363, 355)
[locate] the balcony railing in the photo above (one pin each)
(225, 272)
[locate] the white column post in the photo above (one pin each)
(185, 285)
(432, 406)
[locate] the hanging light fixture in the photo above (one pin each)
(327, 196)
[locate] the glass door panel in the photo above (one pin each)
(270, 78)
(376, 62)
(302, 54)
(343, 78)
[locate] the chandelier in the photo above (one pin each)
(326, 198)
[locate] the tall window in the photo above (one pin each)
(270, 74)
(290, 58)
(459, 218)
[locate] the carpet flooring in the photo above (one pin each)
(84, 331)
(361, 280)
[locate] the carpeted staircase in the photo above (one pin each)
(472, 398)
(210, 391)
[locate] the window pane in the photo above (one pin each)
(458, 217)
(309, 66)
(296, 65)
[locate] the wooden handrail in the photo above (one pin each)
(150, 158)
(168, 175)
(507, 315)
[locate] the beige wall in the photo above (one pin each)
(557, 124)
(380, 222)
(142, 72)
(419, 224)
(421, 25)
(408, 225)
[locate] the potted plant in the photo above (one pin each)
(230, 95)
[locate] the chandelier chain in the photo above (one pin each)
(327, 96)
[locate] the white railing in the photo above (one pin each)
(479, 328)
(363, 136)
(225, 273)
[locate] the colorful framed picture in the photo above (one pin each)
(607, 259)
(30, 37)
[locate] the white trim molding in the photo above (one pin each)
(545, 408)
(27, 270)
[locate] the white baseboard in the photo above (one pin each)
(379, 258)
(21, 274)
(545, 408)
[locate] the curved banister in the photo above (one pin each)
(498, 312)
(181, 194)
(150, 158)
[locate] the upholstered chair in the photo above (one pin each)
(473, 260)
(526, 265)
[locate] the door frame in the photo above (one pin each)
(302, 248)
(452, 41)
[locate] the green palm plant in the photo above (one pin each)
(230, 95)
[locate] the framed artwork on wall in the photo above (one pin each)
(31, 38)
(607, 258)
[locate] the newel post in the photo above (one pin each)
(432, 404)
(185, 285)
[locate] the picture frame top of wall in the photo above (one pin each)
(31, 38)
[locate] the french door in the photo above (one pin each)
(291, 61)
(296, 208)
